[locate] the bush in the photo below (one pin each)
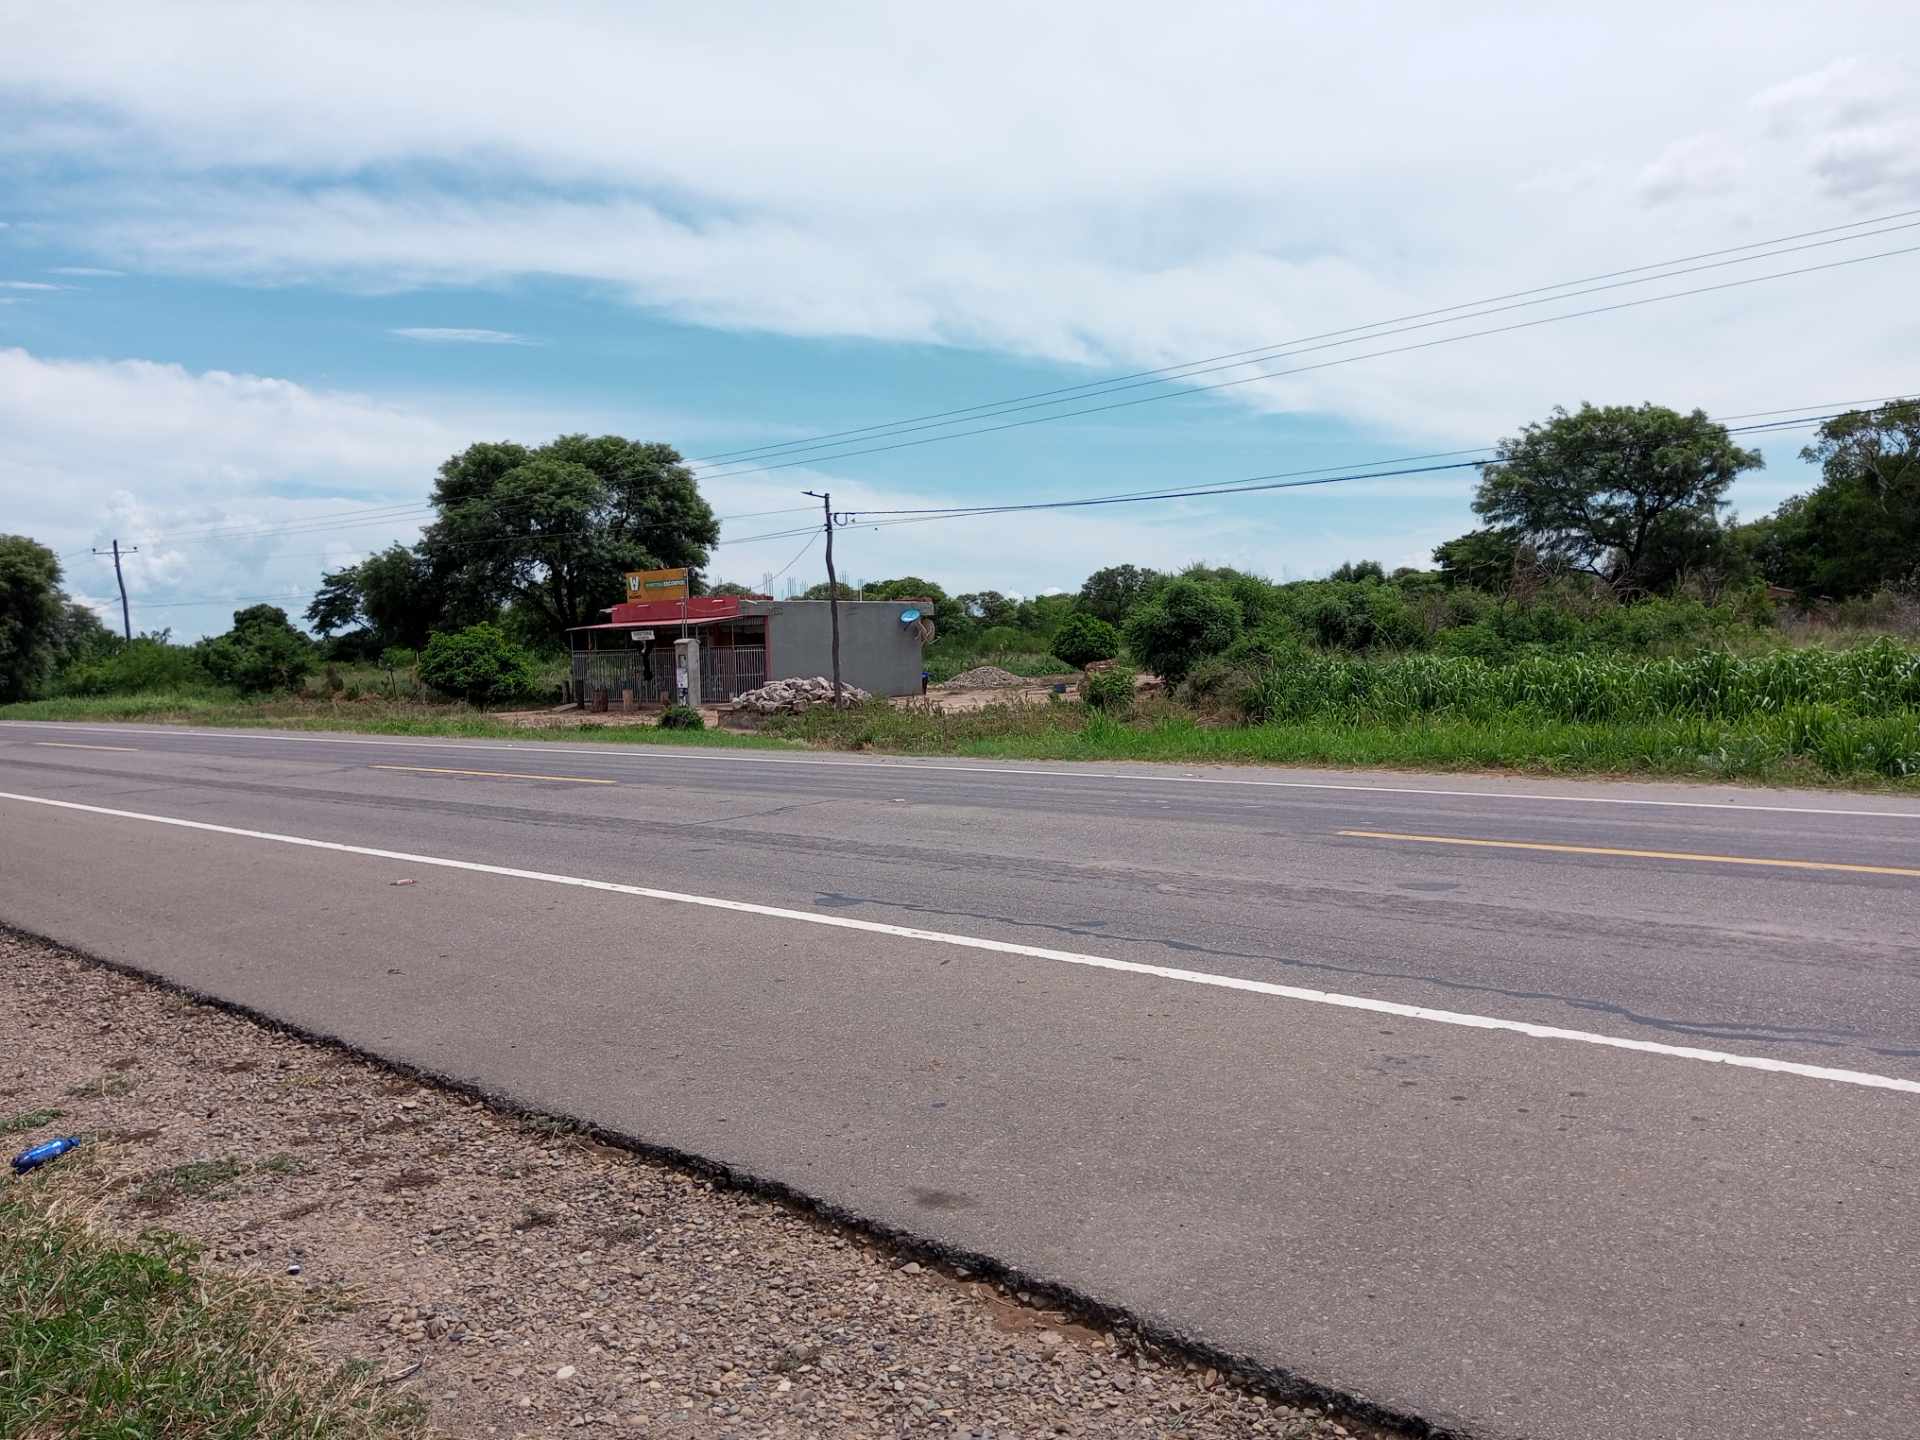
(681, 717)
(142, 665)
(1478, 641)
(479, 665)
(1083, 638)
(1185, 623)
(1109, 690)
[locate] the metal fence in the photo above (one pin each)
(725, 672)
(729, 671)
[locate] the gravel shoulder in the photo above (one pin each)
(522, 1280)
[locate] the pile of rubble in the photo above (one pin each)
(790, 697)
(984, 677)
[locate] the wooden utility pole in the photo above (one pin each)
(833, 590)
(126, 616)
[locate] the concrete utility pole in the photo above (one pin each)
(126, 617)
(833, 589)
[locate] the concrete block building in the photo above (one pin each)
(744, 643)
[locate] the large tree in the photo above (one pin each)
(555, 527)
(1859, 529)
(1110, 593)
(33, 615)
(1617, 490)
(396, 595)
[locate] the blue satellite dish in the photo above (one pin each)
(909, 615)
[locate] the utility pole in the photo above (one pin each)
(126, 617)
(833, 588)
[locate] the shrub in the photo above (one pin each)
(143, 664)
(681, 717)
(1084, 638)
(478, 664)
(1479, 641)
(1109, 690)
(1181, 626)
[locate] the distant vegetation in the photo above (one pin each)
(1608, 614)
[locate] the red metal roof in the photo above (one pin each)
(661, 612)
(664, 627)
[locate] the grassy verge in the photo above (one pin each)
(1829, 747)
(105, 1340)
(1765, 750)
(367, 716)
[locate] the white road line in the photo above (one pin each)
(645, 752)
(1035, 952)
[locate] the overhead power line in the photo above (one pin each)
(1167, 373)
(815, 460)
(1253, 484)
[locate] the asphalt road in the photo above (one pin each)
(1533, 1108)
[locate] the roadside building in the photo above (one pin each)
(744, 643)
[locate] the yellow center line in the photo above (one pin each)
(65, 745)
(1634, 854)
(495, 774)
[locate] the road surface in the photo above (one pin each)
(1533, 1108)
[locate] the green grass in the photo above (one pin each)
(372, 717)
(1808, 716)
(29, 1120)
(110, 1340)
(1854, 751)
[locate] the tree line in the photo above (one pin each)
(1614, 504)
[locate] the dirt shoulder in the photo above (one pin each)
(524, 1281)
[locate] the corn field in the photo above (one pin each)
(1847, 710)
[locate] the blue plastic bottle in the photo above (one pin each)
(40, 1154)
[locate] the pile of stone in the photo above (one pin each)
(984, 677)
(790, 697)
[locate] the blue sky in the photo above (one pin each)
(267, 267)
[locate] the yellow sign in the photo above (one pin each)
(657, 584)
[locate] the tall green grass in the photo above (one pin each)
(1878, 679)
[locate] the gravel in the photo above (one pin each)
(526, 1281)
(984, 677)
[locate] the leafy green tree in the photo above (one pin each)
(1358, 570)
(33, 616)
(401, 596)
(336, 604)
(1610, 489)
(1483, 559)
(1859, 530)
(824, 591)
(733, 589)
(479, 664)
(1044, 614)
(262, 652)
(1185, 623)
(1112, 592)
(556, 527)
(1084, 638)
(987, 608)
(907, 587)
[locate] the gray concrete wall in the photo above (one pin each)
(877, 652)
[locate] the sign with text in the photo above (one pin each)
(657, 584)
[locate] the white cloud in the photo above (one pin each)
(442, 335)
(1696, 168)
(159, 456)
(1117, 185)
(95, 270)
(28, 285)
